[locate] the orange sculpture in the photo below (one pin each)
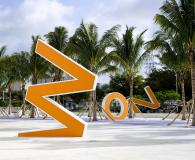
(154, 104)
(38, 95)
(83, 80)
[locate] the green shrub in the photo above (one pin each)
(4, 103)
(139, 97)
(167, 95)
(16, 103)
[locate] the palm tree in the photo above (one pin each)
(2, 78)
(173, 55)
(23, 72)
(129, 53)
(10, 76)
(178, 18)
(37, 67)
(58, 39)
(91, 52)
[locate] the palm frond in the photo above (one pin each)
(58, 38)
(2, 50)
(109, 35)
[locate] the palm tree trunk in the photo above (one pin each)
(130, 96)
(90, 100)
(176, 82)
(23, 96)
(57, 77)
(183, 95)
(94, 105)
(10, 98)
(32, 114)
(192, 59)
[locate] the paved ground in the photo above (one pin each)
(137, 139)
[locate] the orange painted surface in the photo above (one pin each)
(135, 108)
(154, 104)
(83, 81)
(123, 103)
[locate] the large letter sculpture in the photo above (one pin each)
(124, 104)
(38, 95)
(83, 80)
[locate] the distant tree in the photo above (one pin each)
(10, 75)
(177, 18)
(163, 96)
(173, 55)
(161, 80)
(102, 90)
(90, 51)
(2, 72)
(58, 39)
(129, 53)
(78, 97)
(119, 83)
(23, 72)
(38, 67)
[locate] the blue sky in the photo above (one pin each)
(20, 19)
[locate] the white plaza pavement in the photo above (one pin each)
(137, 139)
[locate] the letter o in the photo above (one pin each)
(123, 104)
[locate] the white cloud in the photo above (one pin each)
(38, 17)
(136, 13)
(31, 17)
